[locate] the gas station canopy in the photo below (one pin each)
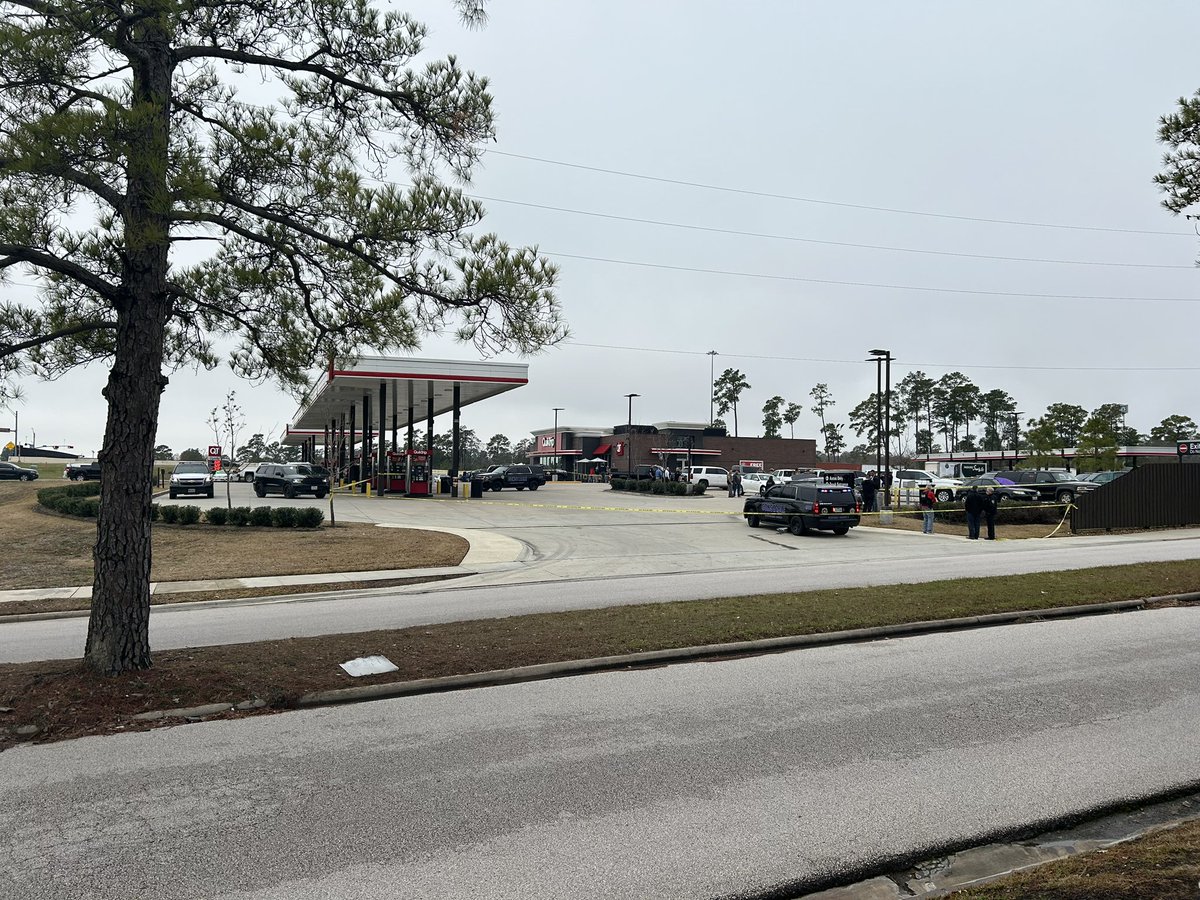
(410, 385)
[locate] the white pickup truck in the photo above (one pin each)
(909, 481)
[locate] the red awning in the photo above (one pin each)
(601, 450)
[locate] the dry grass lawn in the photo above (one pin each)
(48, 550)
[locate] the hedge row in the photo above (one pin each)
(1008, 513)
(647, 486)
(260, 516)
(80, 499)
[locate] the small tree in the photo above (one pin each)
(227, 423)
(191, 454)
(1172, 429)
(1097, 444)
(162, 451)
(835, 443)
(823, 400)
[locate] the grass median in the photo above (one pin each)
(57, 699)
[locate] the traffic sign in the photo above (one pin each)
(214, 449)
(1188, 448)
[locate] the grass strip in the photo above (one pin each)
(1163, 865)
(62, 700)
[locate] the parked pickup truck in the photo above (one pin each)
(82, 471)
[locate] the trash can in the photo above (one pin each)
(476, 488)
(444, 485)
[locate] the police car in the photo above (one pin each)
(805, 506)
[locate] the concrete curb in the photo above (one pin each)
(709, 651)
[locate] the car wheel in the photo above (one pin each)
(320, 495)
(944, 496)
(210, 493)
(842, 529)
(79, 478)
(260, 491)
(796, 526)
(289, 492)
(702, 484)
(25, 478)
(533, 487)
(172, 495)
(520, 487)
(752, 521)
(1066, 496)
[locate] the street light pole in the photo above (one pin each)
(557, 410)
(885, 357)
(629, 433)
(712, 370)
(1016, 436)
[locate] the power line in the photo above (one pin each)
(827, 243)
(928, 365)
(866, 284)
(863, 206)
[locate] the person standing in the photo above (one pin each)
(870, 490)
(927, 501)
(991, 504)
(974, 503)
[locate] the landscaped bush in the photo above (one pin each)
(679, 488)
(216, 515)
(309, 517)
(617, 484)
(261, 516)
(658, 487)
(698, 489)
(239, 515)
(64, 498)
(153, 512)
(87, 507)
(283, 517)
(1009, 513)
(189, 515)
(644, 486)
(170, 514)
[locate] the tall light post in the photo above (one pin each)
(557, 410)
(712, 371)
(885, 356)
(629, 433)
(1016, 436)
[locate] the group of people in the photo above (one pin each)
(735, 484)
(980, 507)
(873, 485)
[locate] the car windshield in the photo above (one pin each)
(297, 470)
(191, 468)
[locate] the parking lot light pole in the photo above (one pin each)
(712, 370)
(1016, 436)
(885, 356)
(557, 410)
(629, 433)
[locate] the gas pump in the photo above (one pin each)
(397, 475)
(417, 473)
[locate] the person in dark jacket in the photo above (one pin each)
(927, 501)
(870, 488)
(991, 503)
(974, 503)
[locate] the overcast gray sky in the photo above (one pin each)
(805, 119)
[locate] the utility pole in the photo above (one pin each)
(712, 360)
(557, 410)
(629, 433)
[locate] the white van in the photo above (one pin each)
(709, 476)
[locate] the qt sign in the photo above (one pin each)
(1188, 448)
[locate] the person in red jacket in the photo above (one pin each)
(928, 501)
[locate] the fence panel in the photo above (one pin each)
(1154, 496)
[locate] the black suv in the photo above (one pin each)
(17, 473)
(1060, 487)
(805, 506)
(289, 480)
(519, 477)
(82, 471)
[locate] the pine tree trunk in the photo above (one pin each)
(119, 629)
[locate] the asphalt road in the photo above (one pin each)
(557, 578)
(712, 779)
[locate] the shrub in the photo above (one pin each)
(679, 487)
(153, 512)
(239, 516)
(88, 507)
(189, 515)
(309, 517)
(284, 517)
(617, 484)
(644, 486)
(261, 516)
(658, 487)
(216, 515)
(698, 489)
(63, 498)
(170, 514)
